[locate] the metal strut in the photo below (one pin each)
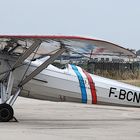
(42, 66)
(10, 84)
(27, 53)
(6, 90)
(14, 97)
(2, 93)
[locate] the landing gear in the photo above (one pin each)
(7, 99)
(6, 112)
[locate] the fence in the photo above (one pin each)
(115, 70)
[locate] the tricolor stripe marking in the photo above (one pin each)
(88, 91)
(82, 84)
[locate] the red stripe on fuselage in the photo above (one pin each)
(92, 87)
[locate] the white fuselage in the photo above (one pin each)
(64, 85)
(72, 84)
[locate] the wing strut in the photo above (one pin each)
(27, 53)
(43, 66)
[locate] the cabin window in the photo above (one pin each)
(107, 59)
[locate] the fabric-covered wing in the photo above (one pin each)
(88, 47)
(17, 45)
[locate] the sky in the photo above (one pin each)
(117, 21)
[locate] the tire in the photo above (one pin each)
(6, 112)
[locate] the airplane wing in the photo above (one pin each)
(17, 45)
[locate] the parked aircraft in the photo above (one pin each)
(26, 70)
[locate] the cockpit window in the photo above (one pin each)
(59, 65)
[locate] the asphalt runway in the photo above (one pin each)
(40, 120)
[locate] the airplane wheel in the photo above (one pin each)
(6, 112)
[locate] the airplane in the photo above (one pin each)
(26, 70)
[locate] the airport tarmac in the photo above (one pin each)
(40, 120)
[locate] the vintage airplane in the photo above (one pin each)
(26, 69)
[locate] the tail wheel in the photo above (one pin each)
(6, 112)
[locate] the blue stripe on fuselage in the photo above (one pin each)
(82, 84)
